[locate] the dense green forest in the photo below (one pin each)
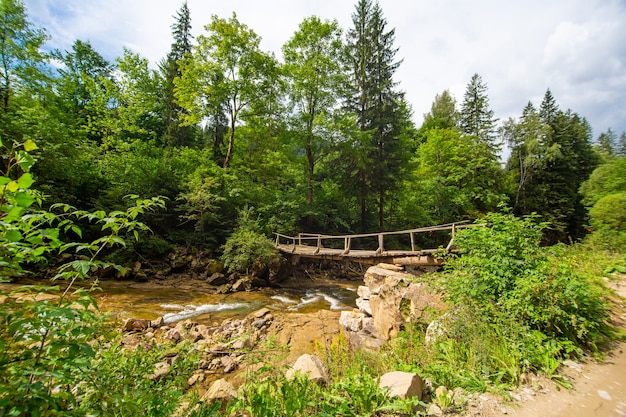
(321, 140)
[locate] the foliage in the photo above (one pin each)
(476, 117)
(503, 271)
(47, 344)
(247, 248)
(608, 218)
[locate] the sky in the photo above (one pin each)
(576, 48)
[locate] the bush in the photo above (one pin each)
(503, 271)
(608, 218)
(247, 249)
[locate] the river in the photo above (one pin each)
(183, 298)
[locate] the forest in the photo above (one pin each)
(321, 140)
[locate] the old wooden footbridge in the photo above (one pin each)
(370, 247)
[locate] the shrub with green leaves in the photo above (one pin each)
(502, 270)
(247, 249)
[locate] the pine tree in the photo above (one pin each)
(553, 191)
(621, 145)
(607, 142)
(476, 117)
(379, 108)
(174, 134)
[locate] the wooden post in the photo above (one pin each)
(346, 246)
(452, 239)
(319, 245)
(381, 246)
(412, 242)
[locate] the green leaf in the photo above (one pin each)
(13, 235)
(25, 181)
(4, 180)
(12, 186)
(24, 200)
(29, 145)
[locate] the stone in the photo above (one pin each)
(217, 278)
(402, 384)
(242, 284)
(160, 369)
(228, 363)
(135, 325)
(351, 320)
(174, 335)
(259, 313)
(219, 390)
(364, 292)
(197, 377)
(157, 323)
(434, 410)
(310, 366)
(364, 306)
(395, 299)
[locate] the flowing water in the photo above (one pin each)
(180, 299)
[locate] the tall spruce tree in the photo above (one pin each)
(379, 108)
(173, 132)
(477, 118)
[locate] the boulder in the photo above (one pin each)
(395, 298)
(136, 325)
(174, 335)
(228, 363)
(220, 390)
(311, 367)
(402, 384)
(364, 306)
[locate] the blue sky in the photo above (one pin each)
(576, 48)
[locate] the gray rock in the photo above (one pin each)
(135, 325)
(228, 363)
(160, 369)
(364, 292)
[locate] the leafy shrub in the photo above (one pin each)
(608, 218)
(503, 271)
(248, 249)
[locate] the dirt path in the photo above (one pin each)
(599, 388)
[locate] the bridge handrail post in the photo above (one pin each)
(381, 246)
(452, 238)
(346, 245)
(412, 242)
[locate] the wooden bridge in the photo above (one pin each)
(309, 245)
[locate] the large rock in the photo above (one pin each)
(220, 390)
(311, 367)
(402, 384)
(395, 298)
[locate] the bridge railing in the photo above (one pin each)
(305, 239)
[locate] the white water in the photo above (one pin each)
(193, 311)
